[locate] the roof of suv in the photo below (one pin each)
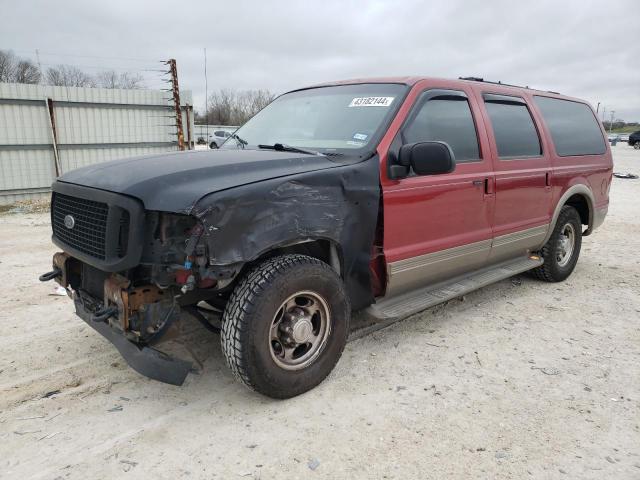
(412, 80)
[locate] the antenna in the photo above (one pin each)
(206, 98)
(613, 112)
(38, 59)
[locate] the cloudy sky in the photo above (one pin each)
(588, 49)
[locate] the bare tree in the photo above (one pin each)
(19, 70)
(15, 70)
(27, 72)
(68, 76)
(113, 79)
(227, 107)
(7, 66)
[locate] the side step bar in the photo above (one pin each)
(388, 311)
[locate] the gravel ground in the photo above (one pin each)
(521, 379)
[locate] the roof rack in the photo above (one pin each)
(480, 79)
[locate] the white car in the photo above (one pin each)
(218, 138)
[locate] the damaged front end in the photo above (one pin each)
(137, 307)
(137, 256)
(132, 318)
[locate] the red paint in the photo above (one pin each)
(425, 214)
(182, 276)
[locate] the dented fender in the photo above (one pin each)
(338, 204)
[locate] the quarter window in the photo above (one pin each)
(513, 128)
(447, 120)
(574, 129)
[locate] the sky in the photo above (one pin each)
(586, 49)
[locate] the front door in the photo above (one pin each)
(439, 226)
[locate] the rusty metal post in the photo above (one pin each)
(190, 145)
(176, 101)
(54, 136)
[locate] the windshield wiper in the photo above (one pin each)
(279, 147)
(240, 141)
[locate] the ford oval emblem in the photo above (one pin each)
(69, 221)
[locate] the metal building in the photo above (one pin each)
(46, 131)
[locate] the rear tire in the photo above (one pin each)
(561, 252)
(213, 146)
(285, 325)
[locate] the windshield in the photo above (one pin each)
(341, 119)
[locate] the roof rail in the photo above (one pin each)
(480, 79)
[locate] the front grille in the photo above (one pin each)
(89, 231)
(123, 234)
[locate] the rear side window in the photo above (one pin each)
(447, 120)
(574, 129)
(515, 133)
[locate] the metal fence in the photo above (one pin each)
(46, 131)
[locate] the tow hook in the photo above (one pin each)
(103, 314)
(55, 273)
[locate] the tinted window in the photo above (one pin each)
(513, 128)
(574, 129)
(446, 120)
(220, 133)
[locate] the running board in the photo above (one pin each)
(388, 311)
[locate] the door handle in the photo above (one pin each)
(488, 186)
(478, 183)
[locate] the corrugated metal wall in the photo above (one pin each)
(92, 124)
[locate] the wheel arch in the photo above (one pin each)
(324, 249)
(581, 198)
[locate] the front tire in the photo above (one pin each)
(285, 325)
(561, 252)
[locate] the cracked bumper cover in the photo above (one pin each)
(145, 360)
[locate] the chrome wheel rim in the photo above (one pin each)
(299, 330)
(566, 244)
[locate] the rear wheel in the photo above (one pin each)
(561, 252)
(285, 325)
(213, 145)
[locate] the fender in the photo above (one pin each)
(339, 205)
(579, 189)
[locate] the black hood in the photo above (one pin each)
(174, 182)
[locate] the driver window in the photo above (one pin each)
(447, 120)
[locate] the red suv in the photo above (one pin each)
(382, 196)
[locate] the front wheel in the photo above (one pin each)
(285, 325)
(561, 252)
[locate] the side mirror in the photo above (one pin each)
(427, 158)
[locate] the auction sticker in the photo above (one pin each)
(371, 101)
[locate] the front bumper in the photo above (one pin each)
(145, 360)
(123, 302)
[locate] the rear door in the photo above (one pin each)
(523, 175)
(438, 226)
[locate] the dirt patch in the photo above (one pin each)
(26, 206)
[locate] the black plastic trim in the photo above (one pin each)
(116, 203)
(146, 361)
(495, 98)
